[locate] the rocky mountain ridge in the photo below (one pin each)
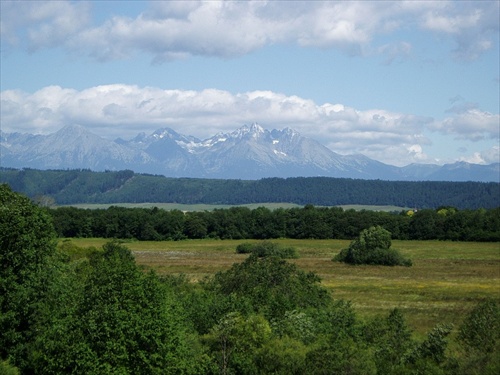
(250, 152)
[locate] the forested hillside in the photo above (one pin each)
(85, 186)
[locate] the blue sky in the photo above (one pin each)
(398, 81)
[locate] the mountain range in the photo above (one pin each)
(250, 152)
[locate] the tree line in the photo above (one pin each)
(444, 223)
(99, 313)
(84, 186)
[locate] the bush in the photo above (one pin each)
(245, 248)
(481, 328)
(75, 252)
(270, 286)
(387, 257)
(267, 249)
(7, 369)
(372, 247)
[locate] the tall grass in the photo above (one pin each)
(446, 280)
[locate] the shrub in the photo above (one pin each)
(7, 369)
(270, 286)
(481, 328)
(74, 252)
(245, 248)
(267, 249)
(387, 257)
(372, 247)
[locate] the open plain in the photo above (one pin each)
(446, 281)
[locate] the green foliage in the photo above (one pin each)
(373, 238)
(153, 224)
(195, 226)
(267, 249)
(236, 340)
(481, 328)
(283, 356)
(7, 369)
(479, 336)
(27, 247)
(75, 252)
(245, 248)
(82, 310)
(434, 346)
(270, 286)
(84, 186)
(295, 324)
(372, 247)
(123, 321)
(392, 340)
(345, 356)
(336, 321)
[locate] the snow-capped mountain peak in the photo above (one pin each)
(253, 131)
(250, 152)
(165, 133)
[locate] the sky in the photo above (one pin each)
(398, 81)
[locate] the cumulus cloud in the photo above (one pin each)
(172, 29)
(491, 155)
(473, 25)
(42, 23)
(488, 156)
(125, 110)
(467, 121)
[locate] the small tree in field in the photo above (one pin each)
(373, 246)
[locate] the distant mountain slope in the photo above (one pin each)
(85, 186)
(70, 147)
(249, 153)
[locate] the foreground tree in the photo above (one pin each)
(373, 246)
(235, 341)
(124, 322)
(27, 247)
(270, 286)
(392, 339)
(479, 336)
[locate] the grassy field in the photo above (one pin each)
(446, 280)
(183, 207)
(210, 207)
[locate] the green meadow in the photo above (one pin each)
(184, 207)
(210, 207)
(446, 281)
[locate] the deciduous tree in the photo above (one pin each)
(27, 245)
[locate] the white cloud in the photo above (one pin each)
(172, 29)
(489, 156)
(451, 24)
(469, 122)
(43, 23)
(395, 51)
(125, 110)
(473, 25)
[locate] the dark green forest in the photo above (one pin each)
(99, 313)
(84, 186)
(443, 223)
